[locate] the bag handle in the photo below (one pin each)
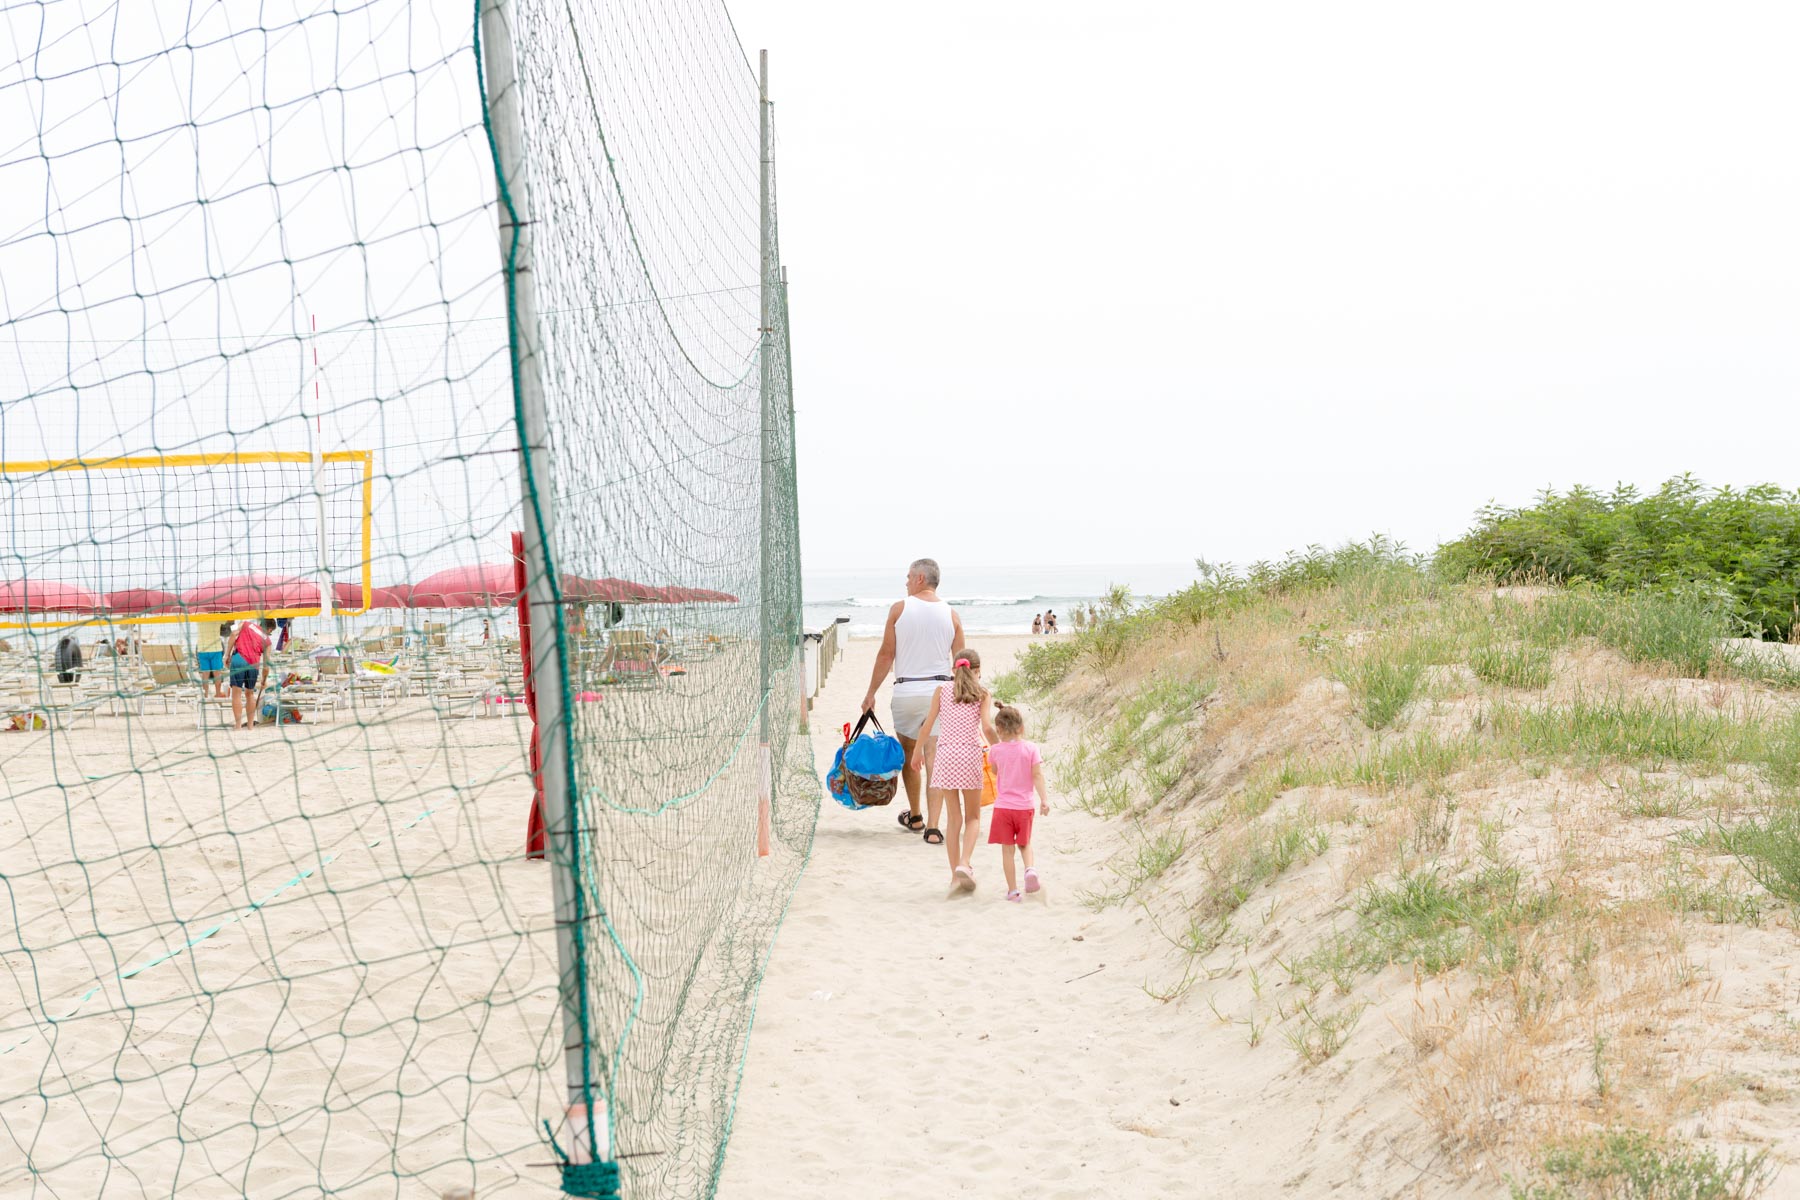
(866, 718)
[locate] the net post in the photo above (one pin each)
(585, 1171)
(797, 616)
(318, 473)
(765, 589)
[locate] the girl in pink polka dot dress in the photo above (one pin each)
(959, 725)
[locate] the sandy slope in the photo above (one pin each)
(990, 1049)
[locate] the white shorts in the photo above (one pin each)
(908, 713)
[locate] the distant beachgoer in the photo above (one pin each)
(103, 649)
(68, 659)
(487, 631)
(286, 625)
(1018, 771)
(209, 655)
(923, 634)
(953, 745)
(1049, 622)
(247, 667)
(1037, 623)
(1080, 619)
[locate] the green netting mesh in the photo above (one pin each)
(269, 323)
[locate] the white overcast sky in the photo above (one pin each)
(1135, 282)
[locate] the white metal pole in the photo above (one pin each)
(508, 132)
(318, 466)
(766, 399)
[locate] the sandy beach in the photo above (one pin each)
(977, 1047)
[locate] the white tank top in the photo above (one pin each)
(922, 636)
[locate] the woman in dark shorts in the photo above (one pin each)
(247, 650)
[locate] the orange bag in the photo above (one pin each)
(990, 785)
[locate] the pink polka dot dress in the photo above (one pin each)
(958, 761)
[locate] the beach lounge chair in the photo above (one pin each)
(62, 704)
(631, 659)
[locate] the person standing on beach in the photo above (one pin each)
(922, 637)
(247, 651)
(958, 724)
(1037, 623)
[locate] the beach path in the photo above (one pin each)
(906, 1040)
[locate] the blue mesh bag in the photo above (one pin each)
(866, 771)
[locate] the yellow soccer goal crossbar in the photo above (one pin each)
(166, 538)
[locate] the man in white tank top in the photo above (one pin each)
(923, 635)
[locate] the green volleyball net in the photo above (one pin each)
(306, 312)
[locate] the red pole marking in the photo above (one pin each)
(536, 843)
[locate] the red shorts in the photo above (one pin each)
(1010, 827)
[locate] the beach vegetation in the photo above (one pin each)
(1317, 1039)
(1627, 1164)
(1008, 688)
(1383, 681)
(1745, 544)
(1046, 663)
(1519, 805)
(1770, 852)
(1512, 666)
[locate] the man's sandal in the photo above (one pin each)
(934, 837)
(912, 822)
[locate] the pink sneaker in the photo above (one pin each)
(1014, 896)
(1031, 880)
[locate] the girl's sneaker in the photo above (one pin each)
(1032, 883)
(1014, 896)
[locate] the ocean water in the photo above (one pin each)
(988, 599)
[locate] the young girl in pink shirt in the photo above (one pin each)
(1018, 772)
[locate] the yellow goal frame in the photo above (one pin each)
(152, 461)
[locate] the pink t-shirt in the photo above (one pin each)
(1013, 763)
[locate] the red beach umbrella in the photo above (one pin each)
(608, 590)
(489, 585)
(240, 593)
(45, 595)
(350, 595)
(141, 602)
(138, 601)
(396, 595)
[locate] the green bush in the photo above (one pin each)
(1746, 542)
(1046, 664)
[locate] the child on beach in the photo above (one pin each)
(1018, 771)
(961, 714)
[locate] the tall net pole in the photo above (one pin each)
(767, 397)
(536, 468)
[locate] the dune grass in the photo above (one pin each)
(1525, 667)
(1383, 681)
(1494, 834)
(1625, 1164)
